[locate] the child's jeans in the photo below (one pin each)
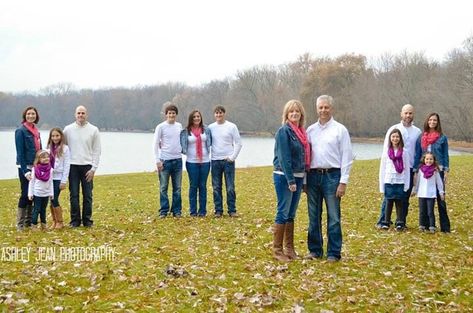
(39, 208)
(57, 191)
(426, 209)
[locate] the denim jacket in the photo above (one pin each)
(25, 148)
(438, 148)
(184, 139)
(289, 155)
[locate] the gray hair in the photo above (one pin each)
(325, 98)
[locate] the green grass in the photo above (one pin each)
(226, 265)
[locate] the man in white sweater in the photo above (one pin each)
(226, 145)
(167, 153)
(83, 140)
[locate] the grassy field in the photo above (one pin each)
(225, 265)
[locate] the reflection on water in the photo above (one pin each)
(132, 152)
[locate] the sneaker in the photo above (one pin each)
(399, 228)
(379, 226)
(177, 216)
(233, 214)
(432, 229)
(332, 259)
(194, 215)
(384, 226)
(422, 228)
(312, 256)
(162, 216)
(218, 214)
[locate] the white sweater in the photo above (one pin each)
(226, 141)
(167, 141)
(427, 187)
(389, 175)
(84, 144)
(39, 188)
(62, 166)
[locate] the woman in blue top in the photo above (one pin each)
(291, 159)
(27, 142)
(433, 140)
(196, 140)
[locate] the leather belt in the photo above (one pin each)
(323, 171)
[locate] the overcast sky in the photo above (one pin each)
(98, 43)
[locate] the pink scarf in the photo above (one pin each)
(428, 170)
(302, 136)
(429, 138)
(197, 132)
(42, 171)
(397, 159)
(34, 130)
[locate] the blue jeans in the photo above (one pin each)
(198, 174)
(77, 180)
(405, 205)
(287, 200)
(222, 168)
(323, 187)
(39, 208)
(57, 192)
(426, 212)
(171, 169)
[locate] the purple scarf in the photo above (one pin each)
(52, 155)
(428, 170)
(397, 159)
(42, 171)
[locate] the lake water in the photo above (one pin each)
(132, 152)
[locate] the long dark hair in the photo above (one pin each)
(401, 141)
(426, 123)
(34, 109)
(190, 121)
(60, 149)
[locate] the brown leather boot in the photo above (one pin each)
(59, 220)
(289, 250)
(278, 236)
(53, 216)
(21, 218)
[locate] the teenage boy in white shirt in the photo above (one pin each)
(167, 153)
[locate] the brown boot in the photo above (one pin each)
(278, 235)
(21, 218)
(289, 250)
(59, 220)
(53, 216)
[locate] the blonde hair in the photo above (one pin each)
(38, 156)
(289, 106)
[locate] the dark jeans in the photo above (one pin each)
(40, 204)
(323, 187)
(426, 212)
(443, 214)
(198, 174)
(389, 209)
(171, 169)
(77, 180)
(222, 168)
(405, 204)
(23, 201)
(57, 192)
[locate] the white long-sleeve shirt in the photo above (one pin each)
(167, 141)
(226, 141)
(84, 144)
(331, 147)
(62, 165)
(39, 188)
(409, 136)
(427, 187)
(388, 173)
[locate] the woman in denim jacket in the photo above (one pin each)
(291, 159)
(433, 140)
(196, 140)
(27, 142)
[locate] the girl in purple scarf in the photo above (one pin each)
(394, 178)
(40, 188)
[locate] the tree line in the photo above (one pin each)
(368, 95)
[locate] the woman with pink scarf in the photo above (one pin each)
(27, 142)
(433, 140)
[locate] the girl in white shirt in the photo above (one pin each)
(60, 160)
(427, 182)
(40, 188)
(394, 178)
